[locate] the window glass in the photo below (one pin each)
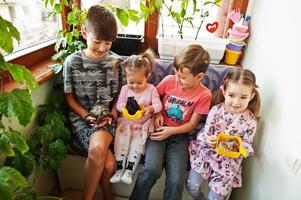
(170, 27)
(31, 19)
(132, 28)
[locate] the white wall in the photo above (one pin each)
(273, 53)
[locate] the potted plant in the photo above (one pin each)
(19, 162)
(181, 13)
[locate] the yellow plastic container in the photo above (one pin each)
(221, 137)
(231, 57)
(135, 116)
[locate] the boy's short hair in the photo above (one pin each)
(101, 23)
(194, 57)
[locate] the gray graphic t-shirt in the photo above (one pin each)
(90, 81)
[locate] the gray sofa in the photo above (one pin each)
(70, 173)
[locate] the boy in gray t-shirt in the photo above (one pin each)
(89, 79)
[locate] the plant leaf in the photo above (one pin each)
(12, 177)
(52, 2)
(2, 63)
(18, 140)
(69, 37)
(58, 8)
(122, 16)
(64, 2)
(5, 146)
(1, 125)
(17, 103)
(5, 190)
(75, 33)
(6, 40)
(13, 30)
(22, 75)
(217, 1)
(24, 163)
(46, 3)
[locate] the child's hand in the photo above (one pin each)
(90, 120)
(148, 110)
(211, 140)
(103, 122)
(161, 133)
(158, 120)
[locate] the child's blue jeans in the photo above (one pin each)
(173, 153)
(194, 182)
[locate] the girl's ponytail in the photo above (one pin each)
(254, 104)
(217, 97)
(148, 60)
(117, 65)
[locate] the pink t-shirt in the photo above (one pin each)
(178, 104)
(148, 97)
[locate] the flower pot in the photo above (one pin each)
(126, 44)
(169, 46)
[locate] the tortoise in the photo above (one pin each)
(100, 111)
(229, 145)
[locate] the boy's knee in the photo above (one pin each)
(96, 154)
(175, 181)
(153, 171)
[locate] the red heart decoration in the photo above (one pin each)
(212, 27)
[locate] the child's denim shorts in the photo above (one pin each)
(84, 134)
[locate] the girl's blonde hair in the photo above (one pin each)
(245, 77)
(144, 61)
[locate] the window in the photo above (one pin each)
(169, 27)
(132, 28)
(32, 21)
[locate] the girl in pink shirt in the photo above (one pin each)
(235, 114)
(131, 134)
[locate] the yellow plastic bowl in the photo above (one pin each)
(135, 116)
(233, 154)
(231, 57)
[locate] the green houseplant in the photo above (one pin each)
(180, 11)
(21, 159)
(16, 103)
